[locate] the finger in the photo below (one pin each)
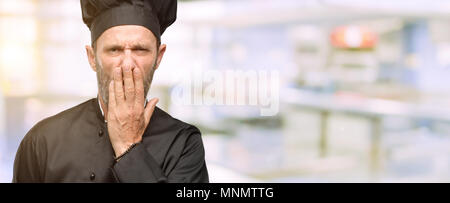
(112, 96)
(138, 87)
(149, 110)
(111, 100)
(128, 85)
(118, 86)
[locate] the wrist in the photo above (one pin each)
(120, 147)
(125, 151)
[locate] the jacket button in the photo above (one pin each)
(100, 133)
(92, 177)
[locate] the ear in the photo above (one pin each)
(162, 50)
(91, 57)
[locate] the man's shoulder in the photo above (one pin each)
(61, 121)
(174, 136)
(162, 121)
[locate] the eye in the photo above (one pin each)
(114, 50)
(141, 49)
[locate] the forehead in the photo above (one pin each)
(127, 34)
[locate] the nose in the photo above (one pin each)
(128, 60)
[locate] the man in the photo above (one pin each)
(118, 137)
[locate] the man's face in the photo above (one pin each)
(125, 46)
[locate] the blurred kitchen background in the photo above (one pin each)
(364, 85)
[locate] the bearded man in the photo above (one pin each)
(118, 136)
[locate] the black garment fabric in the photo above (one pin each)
(74, 146)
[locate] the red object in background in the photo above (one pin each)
(353, 37)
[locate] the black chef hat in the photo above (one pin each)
(156, 15)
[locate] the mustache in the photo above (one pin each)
(103, 80)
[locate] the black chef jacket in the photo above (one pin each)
(74, 146)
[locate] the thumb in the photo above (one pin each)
(148, 111)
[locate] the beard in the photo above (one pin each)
(103, 80)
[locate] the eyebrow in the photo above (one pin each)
(140, 46)
(134, 46)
